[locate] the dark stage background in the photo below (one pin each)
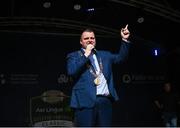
(36, 37)
(34, 63)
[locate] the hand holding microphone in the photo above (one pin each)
(89, 49)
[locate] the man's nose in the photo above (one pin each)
(90, 42)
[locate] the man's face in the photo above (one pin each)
(87, 38)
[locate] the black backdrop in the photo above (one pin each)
(33, 63)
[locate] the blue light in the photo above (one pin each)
(156, 52)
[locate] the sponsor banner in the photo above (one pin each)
(142, 78)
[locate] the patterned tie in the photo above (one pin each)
(93, 62)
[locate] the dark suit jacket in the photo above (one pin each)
(84, 89)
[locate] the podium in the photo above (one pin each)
(51, 109)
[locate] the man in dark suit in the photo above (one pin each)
(94, 91)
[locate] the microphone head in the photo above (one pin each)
(94, 50)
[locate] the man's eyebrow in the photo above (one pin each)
(89, 37)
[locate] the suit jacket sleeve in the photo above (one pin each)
(76, 63)
(122, 54)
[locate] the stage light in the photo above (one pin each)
(77, 7)
(47, 4)
(156, 51)
(90, 9)
(140, 20)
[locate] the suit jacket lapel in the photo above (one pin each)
(89, 65)
(99, 60)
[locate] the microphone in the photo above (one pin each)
(94, 50)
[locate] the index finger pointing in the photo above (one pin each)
(126, 26)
